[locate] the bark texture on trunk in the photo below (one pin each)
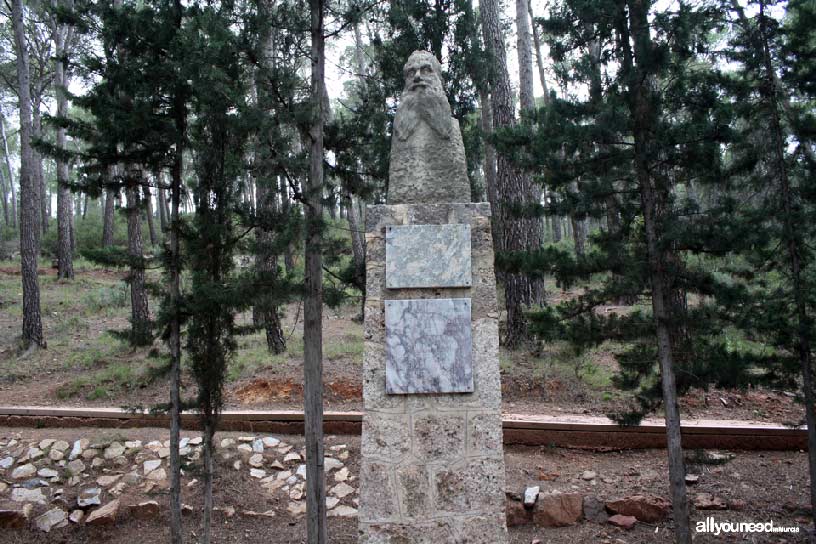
(65, 246)
(489, 164)
(160, 200)
(512, 186)
(313, 307)
(288, 254)
(139, 315)
(14, 216)
(107, 217)
(525, 55)
(149, 213)
(32, 334)
(6, 221)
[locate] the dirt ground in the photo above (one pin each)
(85, 365)
(772, 486)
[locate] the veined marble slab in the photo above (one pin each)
(428, 346)
(427, 256)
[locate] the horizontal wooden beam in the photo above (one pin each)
(531, 430)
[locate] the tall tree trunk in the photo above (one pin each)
(107, 216)
(654, 196)
(525, 55)
(489, 164)
(139, 315)
(513, 188)
(37, 167)
(32, 334)
(313, 307)
(149, 212)
(160, 199)
(539, 58)
(179, 113)
(5, 195)
(14, 215)
(288, 255)
(266, 313)
(65, 249)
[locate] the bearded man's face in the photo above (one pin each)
(423, 99)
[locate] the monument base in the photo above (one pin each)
(433, 467)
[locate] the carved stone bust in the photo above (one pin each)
(427, 153)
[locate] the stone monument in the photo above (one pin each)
(433, 467)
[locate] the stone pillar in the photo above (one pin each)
(433, 468)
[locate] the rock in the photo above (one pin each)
(343, 512)
(624, 522)
(330, 464)
(154, 445)
(254, 514)
(284, 475)
(47, 473)
(15, 518)
(106, 481)
(257, 445)
(55, 517)
(183, 442)
(132, 478)
(531, 496)
(594, 509)
(6, 462)
(341, 475)
(197, 441)
(646, 508)
(60, 445)
(89, 454)
(21, 494)
(97, 462)
(105, 515)
(291, 457)
(145, 510)
(276, 465)
(76, 516)
(692, 479)
(151, 465)
(257, 473)
(76, 467)
(707, 501)
(256, 460)
(342, 490)
(158, 475)
(343, 456)
(331, 502)
(111, 452)
(3, 487)
(164, 453)
(296, 493)
(246, 439)
(296, 508)
(270, 441)
(301, 471)
(338, 447)
(244, 447)
(588, 475)
(237, 465)
(133, 444)
(46, 443)
(292, 480)
(558, 509)
(227, 442)
(24, 471)
(76, 450)
(56, 455)
(89, 497)
(34, 483)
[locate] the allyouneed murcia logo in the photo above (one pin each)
(718, 527)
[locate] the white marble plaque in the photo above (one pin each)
(428, 346)
(427, 256)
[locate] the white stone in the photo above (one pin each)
(157, 475)
(24, 471)
(227, 442)
(6, 462)
(35, 453)
(76, 466)
(301, 471)
(342, 490)
(89, 497)
(331, 502)
(341, 475)
(60, 445)
(197, 441)
(291, 457)
(245, 447)
(588, 475)
(133, 444)
(114, 450)
(50, 519)
(154, 445)
(270, 441)
(237, 465)
(256, 460)
(257, 473)
(21, 494)
(56, 455)
(292, 480)
(183, 442)
(164, 452)
(283, 475)
(46, 443)
(76, 516)
(246, 438)
(97, 462)
(338, 447)
(343, 511)
(151, 465)
(531, 496)
(296, 508)
(76, 451)
(330, 463)
(106, 481)
(257, 445)
(47, 473)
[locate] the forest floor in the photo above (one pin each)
(86, 364)
(755, 486)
